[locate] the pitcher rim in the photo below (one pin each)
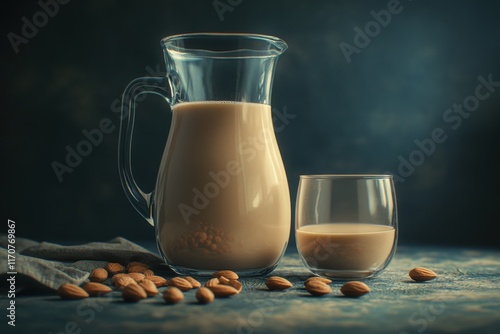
(279, 45)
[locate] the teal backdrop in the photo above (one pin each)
(410, 88)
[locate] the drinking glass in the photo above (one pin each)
(346, 226)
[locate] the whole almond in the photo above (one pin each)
(114, 268)
(193, 282)
(316, 278)
(180, 283)
(226, 273)
(98, 275)
(116, 276)
(149, 287)
(236, 284)
(354, 289)
(124, 281)
(212, 282)
(420, 274)
(204, 295)
(137, 269)
(148, 272)
(318, 288)
(96, 289)
(278, 283)
(157, 280)
(133, 293)
(173, 295)
(136, 263)
(71, 291)
(138, 277)
(223, 290)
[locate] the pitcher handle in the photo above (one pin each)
(140, 200)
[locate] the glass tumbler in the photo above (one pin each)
(346, 226)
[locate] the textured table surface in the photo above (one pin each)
(465, 298)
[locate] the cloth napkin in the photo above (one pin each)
(42, 265)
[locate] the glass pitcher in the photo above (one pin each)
(221, 199)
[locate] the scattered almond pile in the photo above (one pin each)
(137, 281)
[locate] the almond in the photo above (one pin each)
(180, 283)
(71, 291)
(149, 287)
(133, 293)
(223, 280)
(114, 268)
(157, 280)
(173, 295)
(116, 276)
(354, 289)
(236, 284)
(193, 282)
(96, 289)
(136, 263)
(137, 269)
(226, 273)
(318, 288)
(204, 295)
(212, 282)
(420, 274)
(316, 278)
(148, 272)
(278, 283)
(136, 277)
(98, 275)
(223, 290)
(124, 281)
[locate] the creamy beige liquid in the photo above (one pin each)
(222, 198)
(347, 246)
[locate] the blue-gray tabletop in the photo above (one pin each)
(465, 298)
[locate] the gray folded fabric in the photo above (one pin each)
(43, 265)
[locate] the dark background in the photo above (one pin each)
(356, 117)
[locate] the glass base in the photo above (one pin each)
(346, 275)
(208, 272)
(181, 270)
